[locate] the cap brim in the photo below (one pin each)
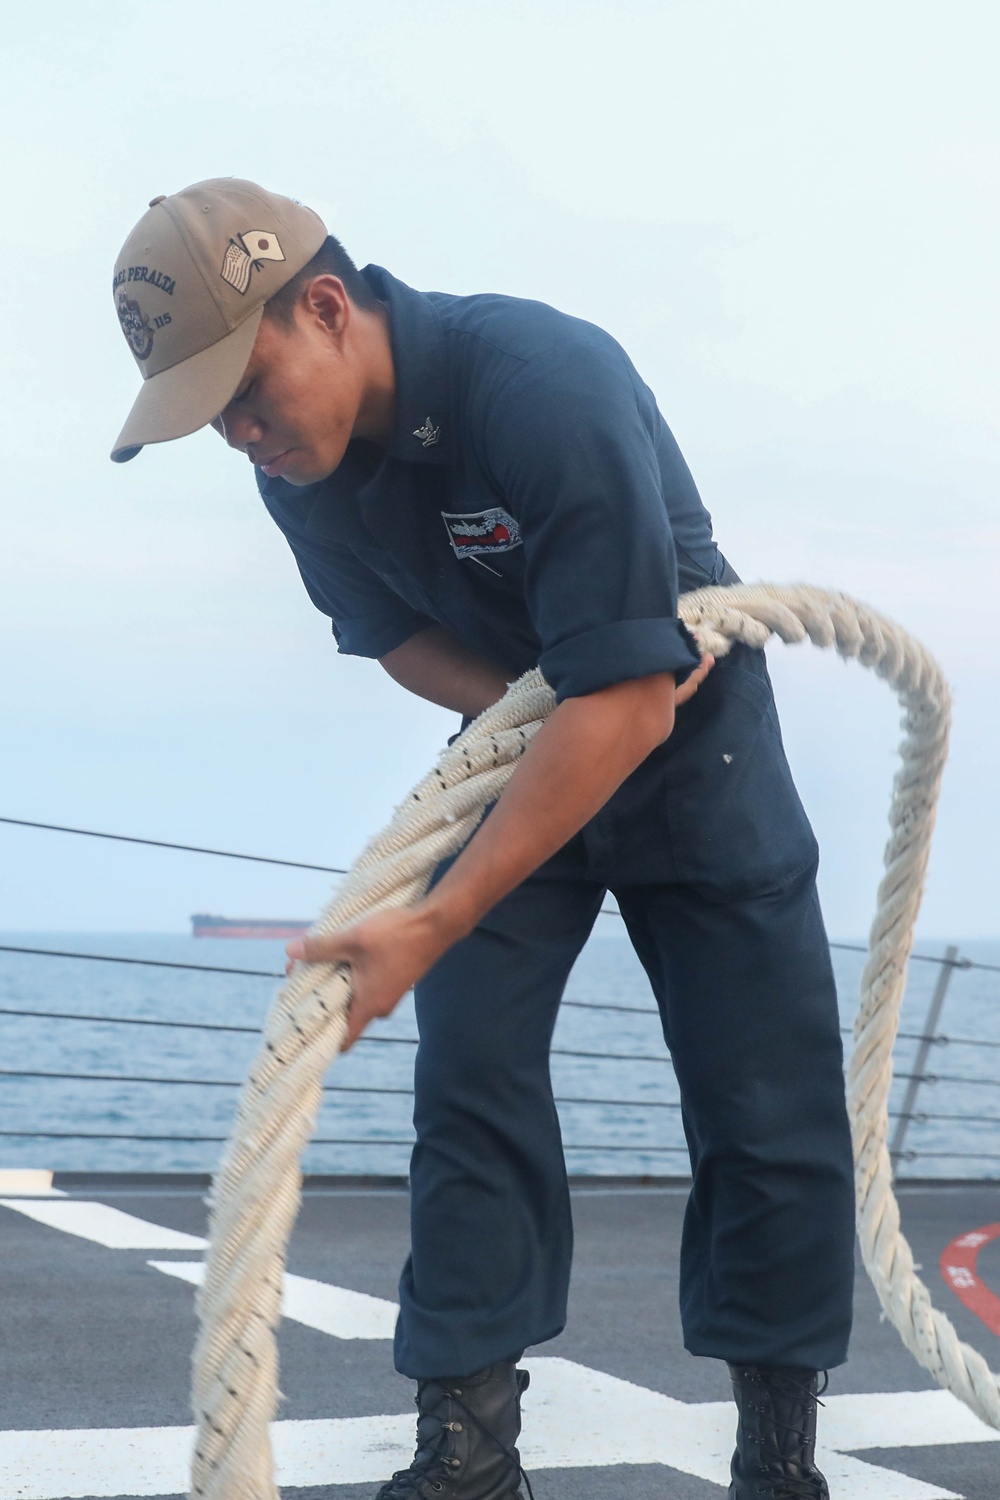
(187, 396)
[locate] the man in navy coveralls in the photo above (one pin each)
(473, 486)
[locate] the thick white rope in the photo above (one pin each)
(257, 1188)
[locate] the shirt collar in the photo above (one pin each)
(420, 358)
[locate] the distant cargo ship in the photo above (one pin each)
(205, 925)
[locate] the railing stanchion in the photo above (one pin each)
(948, 966)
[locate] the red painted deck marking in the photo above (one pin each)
(958, 1267)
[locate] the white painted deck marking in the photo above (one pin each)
(105, 1226)
(576, 1417)
(580, 1417)
(901, 1419)
(317, 1304)
(28, 1182)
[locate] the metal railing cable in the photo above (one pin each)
(142, 963)
(926, 1117)
(61, 1015)
(600, 1005)
(924, 958)
(950, 1156)
(912, 1116)
(205, 1083)
(67, 1015)
(162, 963)
(263, 859)
(638, 1149)
(294, 864)
(659, 1058)
(923, 1117)
(61, 1135)
(328, 1088)
(125, 838)
(257, 859)
(932, 1078)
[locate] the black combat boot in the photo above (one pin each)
(466, 1431)
(776, 1438)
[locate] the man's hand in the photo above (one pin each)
(577, 760)
(387, 952)
(688, 688)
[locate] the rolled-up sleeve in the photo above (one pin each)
(369, 618)
(571, 442)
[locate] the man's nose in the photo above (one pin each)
(240, 429)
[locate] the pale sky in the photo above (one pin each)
(786, 212)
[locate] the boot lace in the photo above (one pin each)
(433, 1463)
(781, 1485)
(507, 1452)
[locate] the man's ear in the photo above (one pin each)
(324, 300)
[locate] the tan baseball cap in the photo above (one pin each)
(190, 286)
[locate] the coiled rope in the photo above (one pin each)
(257, 1188)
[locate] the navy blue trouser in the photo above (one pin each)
(713, 863)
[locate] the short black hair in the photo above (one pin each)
(331, 259)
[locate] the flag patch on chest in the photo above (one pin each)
(493, 530)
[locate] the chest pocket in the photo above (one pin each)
(402, 582)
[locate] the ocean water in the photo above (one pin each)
(960, 1136)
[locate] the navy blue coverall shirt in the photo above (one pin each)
(533, 502)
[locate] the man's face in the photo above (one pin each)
(297, 406)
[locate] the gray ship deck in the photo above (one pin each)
(97, 1324)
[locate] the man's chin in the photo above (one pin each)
(301, 477)
(301, 472)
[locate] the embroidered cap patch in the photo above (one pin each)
(493, 530)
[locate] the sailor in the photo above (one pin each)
(473, 486)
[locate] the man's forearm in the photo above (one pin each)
(579, 757)
(436, 666)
